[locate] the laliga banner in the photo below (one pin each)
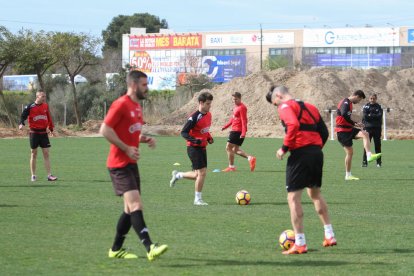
(165, 42)
(224, 68)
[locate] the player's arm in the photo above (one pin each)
(323, 130)
(49, 120)
(228, 124)
(210, 139)
(345, 112)
(292, 125)
(147, 139)
(25, 114)
(185, 132)
(110, 135)
(243, 118)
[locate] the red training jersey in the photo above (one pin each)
(197, 129)
(343, 119)
(39, 117)
(304, 126)
(239, 120)
(125, 118)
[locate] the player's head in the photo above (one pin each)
(357, 96)
(137, 82)
(40, 97)
(236, 98)
(204, 102)
(373, 98)
(277, 95)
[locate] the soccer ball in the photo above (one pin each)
(243, 197)
(287, 239)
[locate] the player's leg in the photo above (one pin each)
(349, 152)
(322, 209)
(192, 175)
(230, 149)
(198, 186)
(45, 145)
(364, 157)
(367, 145)
(33, 156)
(376, 134)
(250, 158)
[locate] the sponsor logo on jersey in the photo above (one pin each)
(135, 127)
(205, 130)
(39, 117)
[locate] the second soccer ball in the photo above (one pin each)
(243, 197)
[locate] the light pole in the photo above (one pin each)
(393, 43)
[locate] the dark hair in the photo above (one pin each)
(270, 93)
(205, 96)
(135, 76)
(374, 95)
(236, 95)
(359, 93)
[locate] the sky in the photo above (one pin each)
(92, 17)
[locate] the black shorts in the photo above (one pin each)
(345, 138)
(198, 157)
(125, 179)
(39, 139)
(234, 138)
(304, 168)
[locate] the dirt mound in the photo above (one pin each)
(324, 87)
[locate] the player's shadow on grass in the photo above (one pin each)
(295, 262)
(8, 205)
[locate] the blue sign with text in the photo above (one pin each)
(224, 68)
(372, 60)
(410, 36)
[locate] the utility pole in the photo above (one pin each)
(261, 47)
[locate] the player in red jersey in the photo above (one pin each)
(39, 121)
(306, 134)
(122, 128)
(238, 124)
(197, 133)
(347, 130)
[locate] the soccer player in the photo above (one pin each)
(347, 130)
(238, 131)
(306, 134)
(372, 120)
(197, 133)
(39, 121)
(122, 128)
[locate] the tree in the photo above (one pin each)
(9, 51)
(112, 35)
(75, 52)
(36, 55)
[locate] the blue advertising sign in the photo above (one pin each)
(372, 60)
(410, 36)
(19, 82)
(224, 68)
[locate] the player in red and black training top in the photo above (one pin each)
(348, 130)
(122, 128)
(238, 123)
(39, 121)
(197, 133)
(306, 134)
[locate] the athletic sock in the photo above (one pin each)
(368, 155)
(249, 158)
(137, 221)
(300, 239)
(197, 196)
(179, 175)
(329, 233)
(232, 166)
(122, 228)
(348, 174)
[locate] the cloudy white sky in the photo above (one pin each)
(214, 15)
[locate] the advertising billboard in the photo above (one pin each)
(224, 68)
(365, 60)
(19, 82)
(162, 81)
(410, 35)
(351, 37)
(165, 42)
(249, 39)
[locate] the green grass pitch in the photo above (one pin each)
(67, 227)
